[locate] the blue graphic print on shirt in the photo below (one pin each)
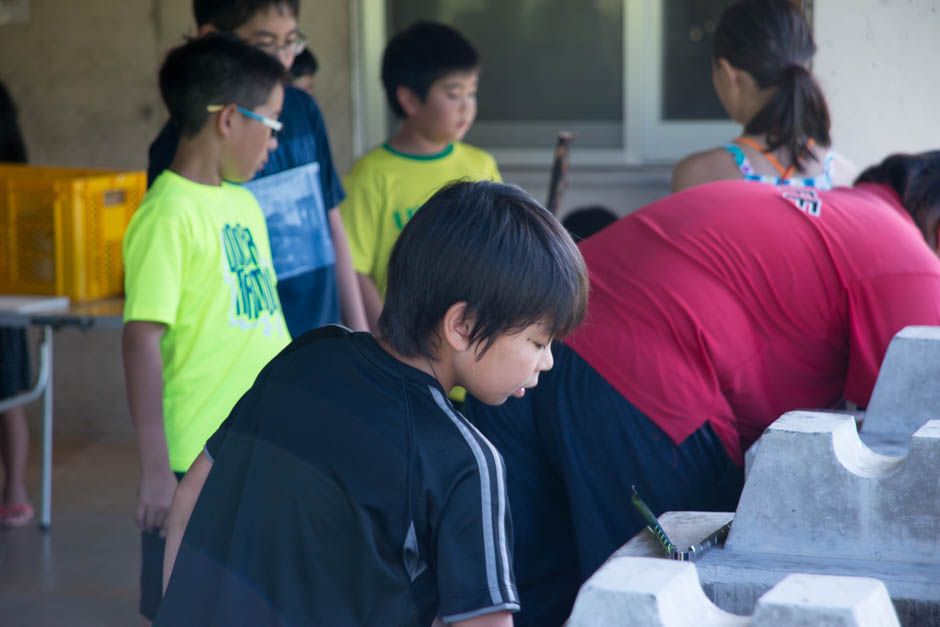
(253, 290)
(292, 202)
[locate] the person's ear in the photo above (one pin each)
(456, 326)
(224, 120)
(205, 29)
(408, 100)
(727, 72)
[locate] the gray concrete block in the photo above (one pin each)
(647, 591)
(734, 581)
(659, 592)
(811, 600)
(907, 392)
(816, 490)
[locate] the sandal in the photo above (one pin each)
(16, 515)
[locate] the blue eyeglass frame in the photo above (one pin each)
(271, 123)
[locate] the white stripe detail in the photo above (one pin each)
(501, 485)
(488, 537)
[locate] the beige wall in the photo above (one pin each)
(877, 63)
(84, 76)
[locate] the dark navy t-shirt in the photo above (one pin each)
(345, 490)
(296, 189)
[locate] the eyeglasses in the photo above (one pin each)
(271, 123)
(294, 46)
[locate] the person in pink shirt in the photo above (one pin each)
(712, 312)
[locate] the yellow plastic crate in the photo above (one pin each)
(61, 229)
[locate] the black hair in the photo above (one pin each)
(772, 41)
(216, 69)
(421, 54)
(584, 222)
(493, 247)
(227, 15)
(304, 63)
(12, 146)
(916, 180)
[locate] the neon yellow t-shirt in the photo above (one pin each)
(386, 187)
(197, 258)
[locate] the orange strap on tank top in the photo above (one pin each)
(784, 172)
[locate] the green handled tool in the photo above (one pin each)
(672, 551)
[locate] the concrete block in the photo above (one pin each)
(736, 581)
(659, 592)
(907, 392)
(816, 490)
(647, 591)
(811, 600)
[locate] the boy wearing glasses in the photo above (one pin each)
(298, 189)
(202, 314)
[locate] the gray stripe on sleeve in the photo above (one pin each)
(501, 488)
(492, 579)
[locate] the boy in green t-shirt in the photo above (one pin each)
(430, 74)
(202, 315)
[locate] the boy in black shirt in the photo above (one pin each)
(344, 488)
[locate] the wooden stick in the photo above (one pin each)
(557, 181)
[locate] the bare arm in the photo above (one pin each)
(143, 374)
(496, 619)
(350, 299)
(183, 503)
(372, 299)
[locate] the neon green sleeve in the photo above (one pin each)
(154, 267)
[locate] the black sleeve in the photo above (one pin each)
(473, 537)
(243, 419)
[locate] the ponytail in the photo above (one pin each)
(771, 40)
(916, 180)
(796, 113)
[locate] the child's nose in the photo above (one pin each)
(286, 57)
(548, 360)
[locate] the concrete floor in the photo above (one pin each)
(84, 570)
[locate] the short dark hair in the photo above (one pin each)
(493, 247)
(772, 41)
(215, 69)
(227, 15)
(916, 180)
(421, 54)
(304, 63)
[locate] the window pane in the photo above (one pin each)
(548, 65)
(688, 26)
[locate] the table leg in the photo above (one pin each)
(45, 357)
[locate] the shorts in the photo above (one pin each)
(14, 361)
(151, 570)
